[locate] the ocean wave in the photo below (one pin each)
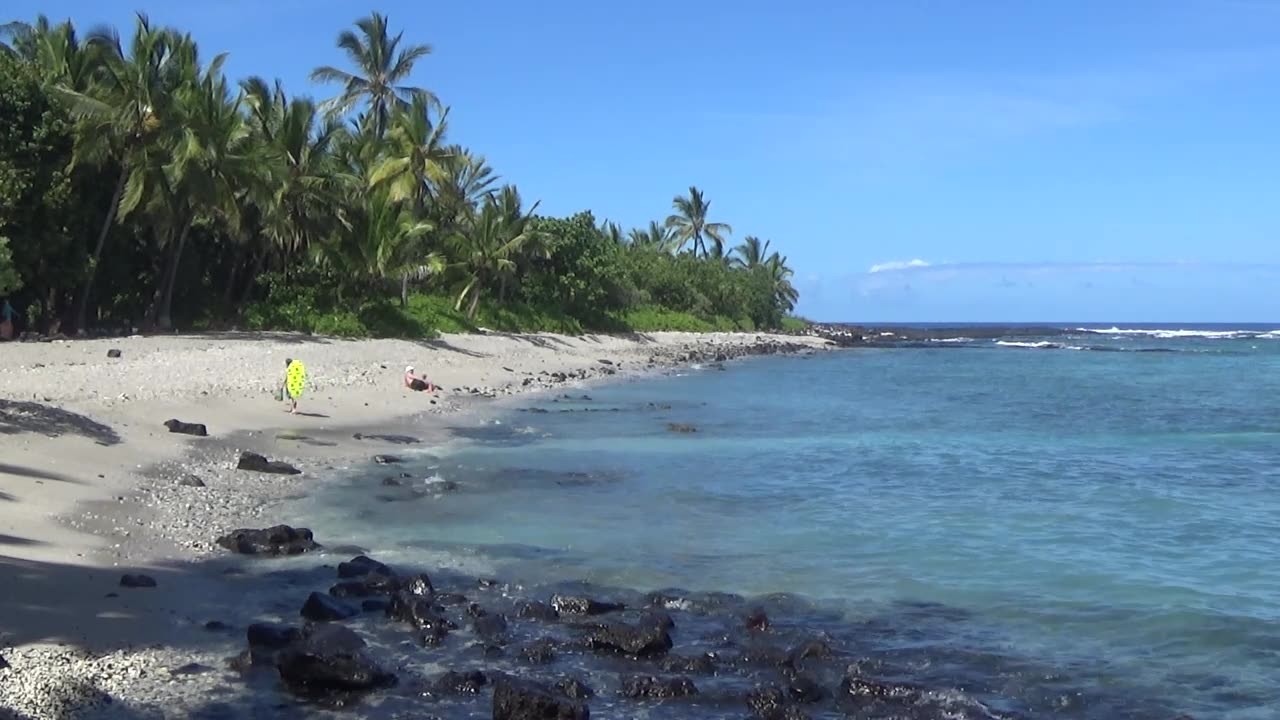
(951, 340)
(1042, 345)
(1166, 334)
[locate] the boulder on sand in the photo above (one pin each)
(254, 462)
(186, 428)
(278, 540)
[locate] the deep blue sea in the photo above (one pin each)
(1085, 525)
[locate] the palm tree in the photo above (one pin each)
(751, 252)
(657, 237)
(120, 118)
(784, 293)
(381, 68)
(489, 250)
(691, 225)
(612, 232)
(415, 154)
(382, 240)
(56, 50)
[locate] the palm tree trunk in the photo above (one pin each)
(257, 270)
(475, 303)
(83, 310)
(404, 290)
(166, 302)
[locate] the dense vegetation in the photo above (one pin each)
(141, 187)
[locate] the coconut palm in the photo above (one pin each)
(381, 67)
(56, 50)
(612, 232)
(488, 251)
(656, 237)
(692, 226)
(381, 240)
(120, 119)
(751, 252)
(784, 293)
(415, 154)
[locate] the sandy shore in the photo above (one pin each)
(93, 486)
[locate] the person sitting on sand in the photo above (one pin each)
(417, 382)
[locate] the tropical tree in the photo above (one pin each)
(56, 50)
(415, 154)
(120, 120)
(751, 252)
(692, 226)
(381, 69)
(382, 240)
(488, 252)
(656, 237)
(784, 293)
(612, 232)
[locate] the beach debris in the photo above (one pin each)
(572, 605)
(386, 459)
(603, 361)
(257, 463)
(681, 428)
(361, 565)
(323, 608)
(277, 540)
(113, 353)
(330, 661)
(137, 581)
(655, 688)
(186, 428)
(191, 481)
(524, 700)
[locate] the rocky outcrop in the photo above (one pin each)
(330, 659)
(520, 700)
(573, 605)
(278, 540)
(254, 462)
(324, 608)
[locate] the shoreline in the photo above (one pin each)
(93, 483)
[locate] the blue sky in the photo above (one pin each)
(1014, 160)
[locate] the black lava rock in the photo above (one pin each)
(638, 640)
(654, 688)
(257, 463)
(571, 605)
(137, 581)
(460, 683)
(324, 608)
(278, 540)
(186, 428)
(539, 652)
(536, 611)
(517, 700)
(360, 566)
(191, 481)
(330, 659)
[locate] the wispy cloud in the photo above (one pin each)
(897, 265)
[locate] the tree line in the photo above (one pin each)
(140, 187)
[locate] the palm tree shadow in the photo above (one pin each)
(24, 471)
(438, 344)
(17, 417)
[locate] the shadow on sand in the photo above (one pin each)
(18, 417)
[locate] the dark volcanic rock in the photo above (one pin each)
(191, 481)
(330, 659)
(493, 628)
(278, 540)
(757, 620)
(653, 688)
(699, 664)
(421, 613)
(272, 636)
(539, 652)
(460, 683)
(386, 459)
(575, 689)
(534, 610)
(361, 565)
(395, 439)
(137, 581)
(448, 599)
(391, 482)
(571, 605)
(418, 584)
(323, 608)
(640, 640)
(804, 689)
(113, 353)
(186, 428)
(770, 703)
(518, 700)
(257, 463)
(190, 669)
(681, 428)
(375, 605)
(858, 693)
(357, 589)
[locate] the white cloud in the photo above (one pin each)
(898, 265)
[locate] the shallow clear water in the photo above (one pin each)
(1082, 534)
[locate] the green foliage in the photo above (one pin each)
(139, 185)
(792, 323)
(9, 278)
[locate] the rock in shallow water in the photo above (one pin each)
(571, 605)
(330, 659)
(361, 565)
(520, 700)
(654, 688)
(278, 540)
(324, 608)
(639, 640)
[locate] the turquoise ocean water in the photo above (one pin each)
(1085, 525)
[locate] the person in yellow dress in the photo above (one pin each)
(295, 378)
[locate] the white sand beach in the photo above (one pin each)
(92, 482)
